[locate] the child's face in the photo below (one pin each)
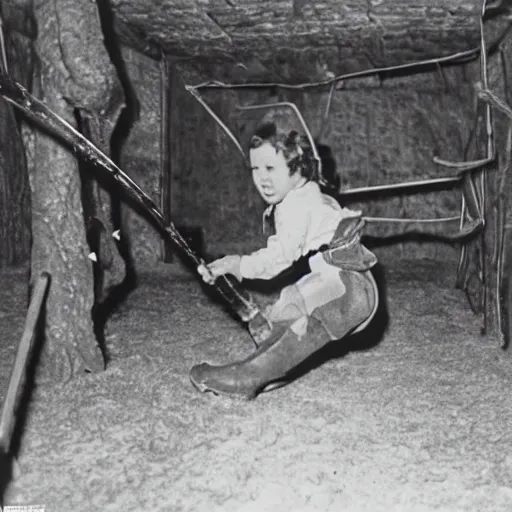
(271, 174)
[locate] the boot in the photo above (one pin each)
(290, 343)
(268, 366)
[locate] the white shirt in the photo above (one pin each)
(304, 220)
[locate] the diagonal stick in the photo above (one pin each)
(239, 300)
(7, 418)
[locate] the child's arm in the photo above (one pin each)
(282, 249)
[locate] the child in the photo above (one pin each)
(337, 296)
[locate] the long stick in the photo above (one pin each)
(240, 301)
(7, 419)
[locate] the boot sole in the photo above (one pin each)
(274, 385)
(204, 388)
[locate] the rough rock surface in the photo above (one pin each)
(292, 39)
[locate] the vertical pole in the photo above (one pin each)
(488, 190)
(165, 152)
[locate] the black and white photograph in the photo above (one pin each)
(255, 256)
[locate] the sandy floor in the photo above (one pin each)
(419, 420)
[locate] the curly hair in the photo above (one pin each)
(296, 149)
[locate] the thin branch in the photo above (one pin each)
(454, 58)
(327, 112)
(2, 44)
(485, 82)
(464, 166)
(407, 184)
(196, 95)
(409, 220)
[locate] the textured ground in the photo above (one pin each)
(418, 422)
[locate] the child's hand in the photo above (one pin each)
(227, 265)
(205, 273)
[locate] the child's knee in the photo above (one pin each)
(289, 306)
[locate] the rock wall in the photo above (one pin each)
(388, 133)
(380, 132)
(298, 41)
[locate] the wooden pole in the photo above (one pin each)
(166, 68)
(7, 419)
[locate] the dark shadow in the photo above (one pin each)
(373, 242)
(506, 312)
(505, 295)
(116, 295)
(128, 116)
(101, 242)
(329, 169)
(5, 474)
